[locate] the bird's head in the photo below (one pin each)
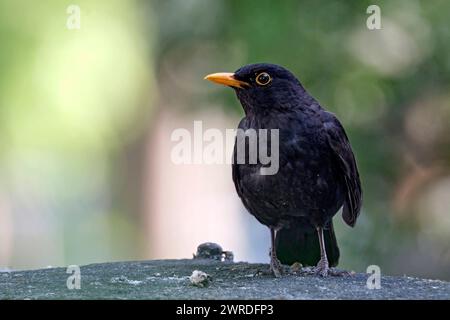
(262, 87)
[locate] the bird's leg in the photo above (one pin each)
(322, 267)
(275, 265)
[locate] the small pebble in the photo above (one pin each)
(199, 278)
(296, 266)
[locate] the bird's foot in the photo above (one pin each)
(275, 266)
(322, 269)
(276, 271)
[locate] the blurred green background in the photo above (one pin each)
(86, 117)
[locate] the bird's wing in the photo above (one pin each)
(234, 167)
(340, 146)
(235, 173)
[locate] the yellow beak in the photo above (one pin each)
(227, 79)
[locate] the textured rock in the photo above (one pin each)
(169, 279)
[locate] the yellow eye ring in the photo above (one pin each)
(263, 79)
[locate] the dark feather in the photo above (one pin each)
(338, 141)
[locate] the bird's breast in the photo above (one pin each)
(306, 179)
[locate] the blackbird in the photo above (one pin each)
(317, 172)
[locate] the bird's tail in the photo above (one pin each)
(300, 243)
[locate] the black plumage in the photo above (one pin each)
(317, 169)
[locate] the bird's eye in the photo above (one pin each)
(263, 79)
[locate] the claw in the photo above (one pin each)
(276, 267)
(276, 272)
(322, 269)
